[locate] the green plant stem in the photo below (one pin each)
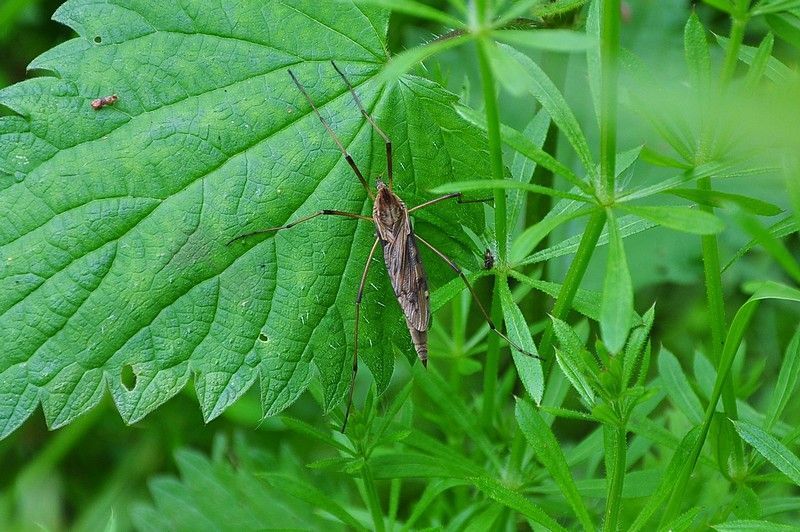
(738, 24)
(492, 366)
(501, 233)
(716, 315)
(572, 281)
(373, 501)
(616, 452)
(609, 56)
(495, 146)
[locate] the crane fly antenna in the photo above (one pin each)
(338, 142)
(378, 130)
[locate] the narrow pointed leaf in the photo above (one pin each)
(616, 309)
(683, 219)
(771, 449)
(678, 387)
(529, 368)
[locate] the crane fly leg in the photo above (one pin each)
(338, 142)
(371, 120)
(355, 328)
(324, 212)
(486, 316)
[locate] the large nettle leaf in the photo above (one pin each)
(114, 268)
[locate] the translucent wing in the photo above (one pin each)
(407, 274)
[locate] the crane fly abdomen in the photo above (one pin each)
(404, 265)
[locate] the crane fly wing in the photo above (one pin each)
(416, 303)
(408, 278)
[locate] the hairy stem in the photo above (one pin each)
(609, 58)
(492, 367)
(572, 281)
(616, 449)
(373, 501)
(495, 147)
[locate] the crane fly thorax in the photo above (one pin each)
(389, 213)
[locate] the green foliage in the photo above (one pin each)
(634, 162)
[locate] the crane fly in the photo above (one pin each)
(395, 233)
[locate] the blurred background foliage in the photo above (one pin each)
(97, 472)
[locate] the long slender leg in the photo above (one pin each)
(299, 221)
(374, 125)
(459, 198)
(338, 142)
(355, 328)
(486, 316)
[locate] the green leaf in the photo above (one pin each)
(214, 496)
(628, 225)
(528, 148)
(760, 62)
(559, 215)
(113, 234)
(616, 308)
(485, 184)
(549, 453)
(408, 59)
(515, 10)
(593, 56)
(522, 168)
(779, 229)
(417, 465)
(587, 302)
(698, 58)
(751, 525)
(684, 219)
(557, 7)
(574, 361)
(791, 169)
(786, 26)
(715, 198)
(678, 388)
(724, 5)
(514, 500)
(315, 497)
(774, 70)
(774, 6)
(545, 91)
(775, 247)
(771, 449)
(552, 40)
(413, 8)
(529, 368)
(635, 348)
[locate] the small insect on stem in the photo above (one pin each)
(99, 103)
(397, 239)
(488, 259)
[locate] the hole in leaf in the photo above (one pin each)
(263, 337)
(98, 39)
(128, 377)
